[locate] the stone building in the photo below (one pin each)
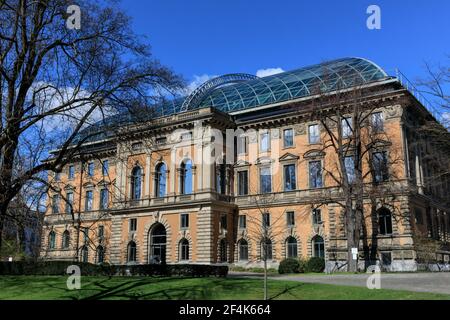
(239, 171)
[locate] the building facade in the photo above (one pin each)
(240, 172)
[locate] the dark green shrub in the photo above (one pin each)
(289, 266)
(315, 264)
(302, 265)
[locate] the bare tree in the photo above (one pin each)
(54, 82)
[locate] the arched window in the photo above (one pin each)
(157, 244)
(52, 240)
(266, 249)
(160, 180)
(186, 177)
(84, 254)
(66, 239)
(131, 252)
(223, 250)
(100, 254)
(136, 179)
(385, 221)
(291, 248)
(318, 247)
(184, 250)
(243, 250)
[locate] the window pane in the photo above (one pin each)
(242, 145)
(89, 200)
(377, 121)
(242, 222)
(104, 199)
(290, 218)
(289, 177)
(350, 168)
(265, 142)
(105, 167)
(243, 183)
(71, 172)
(314, 133)
(288, 137)
(265, 180)
(346, 127)
(315, 174)
(380, 166)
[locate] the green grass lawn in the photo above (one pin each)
(50, 288)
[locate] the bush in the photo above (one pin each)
(315, 264)
(289, 266)
(88, 269)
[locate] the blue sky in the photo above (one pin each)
(212, 37)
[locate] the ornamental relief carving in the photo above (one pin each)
(300, 129)
(395, 111)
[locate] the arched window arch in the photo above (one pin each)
(318, 247)
(131, 252)
(84, 254)
(136, 182)
(291, 247)
(52, 240)
(385, 221)
(223, 248)
(266, 249)
(66, 239)
(243, 250)
(160, 180)
(100, 254)
(184, 250)
(186, 177)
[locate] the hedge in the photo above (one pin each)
(56, 268)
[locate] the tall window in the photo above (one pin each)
(55, 203)
(377, 121)
(220, 178)
(289, 177)
(89, 200)
(101, 233)
(243, 250)
(242, 222)
(66, 239)
(315, 174)
(100, 254)
(160, 180)
(186, 177)
(52, 240)
(84, 254)
(288, 138)
(242, 144)
(71, 172)
(264, 143)
(380, 166)
(266, 249)
(265, 180)
(133, 225)
(90, 169)
(85, 232)
(317, 216)
(319, 247)
(243, 183)
(224, 222)
(291, 247)
(105, 167)
(136, 177)
(131, 256)
(184, 221)
(184, 250)
(69, 202)
(266, 220)
(104, 194)
(350, 168)
(290, 218)
(346, 127)
(385, 221)
(314, 135)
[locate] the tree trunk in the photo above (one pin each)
(265, 273)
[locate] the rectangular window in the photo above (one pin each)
(85, 234)
(133, 225)
(419, 216)
(89, 200)
(104, 199)
(55, 204)
(313, 132)
(105, 167)
(347, 127)
(242, 222)
(377, 121)
(90, 169)
(264, 143)
(290, 218)
(184, 221)
(71, 172)
(289, 177)
(243, 183)
(266, 220)
(288, 138)
(223, 222)
(242, 145)
(380, 166)
(101, 232)
(69, 202)
(315, 174)
(265, 180)
(220, 179)
(350, 168)
(317, 216)
(136, 146)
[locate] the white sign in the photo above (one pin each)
(355, 253)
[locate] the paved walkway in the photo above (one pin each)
(421, 282)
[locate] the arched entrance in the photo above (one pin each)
(157, 245)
